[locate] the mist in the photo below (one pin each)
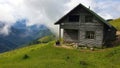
(47, 12)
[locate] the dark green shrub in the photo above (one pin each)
(67, 58)
(26, 56)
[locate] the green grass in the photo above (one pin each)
(42, 40)
(49, 56)
(116, 23)
(46, 39)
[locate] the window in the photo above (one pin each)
(74, 18)
(90, 35)
(88, 18)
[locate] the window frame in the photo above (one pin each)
(90, 35)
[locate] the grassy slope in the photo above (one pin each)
(48, 56)
(116, 23)
(47, 39)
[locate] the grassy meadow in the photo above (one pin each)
(49, 56)
(116, 23)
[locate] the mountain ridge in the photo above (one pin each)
(20, 34)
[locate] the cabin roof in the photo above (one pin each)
(96, 15)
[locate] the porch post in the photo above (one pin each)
(59, 33)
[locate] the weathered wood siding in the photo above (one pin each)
(97, 42)
(79, 36)
(70, 35)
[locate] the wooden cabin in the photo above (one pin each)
(84, 27)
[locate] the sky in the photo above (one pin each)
(49, 11)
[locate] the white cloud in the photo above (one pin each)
(108, 8)
(105, 15)
(49, 11)
(87, 3)
(5, 13)
(4, 30)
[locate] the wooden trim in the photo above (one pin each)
(59, 32)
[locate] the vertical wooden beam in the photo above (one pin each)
(79, 35)
(59, 32)
(80, 20)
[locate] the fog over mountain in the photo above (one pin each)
(21, 34)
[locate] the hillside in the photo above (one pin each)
(116, 23)
(49, 56)
(21, 34)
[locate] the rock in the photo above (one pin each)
(92, 49)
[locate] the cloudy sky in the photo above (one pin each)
(48, 11)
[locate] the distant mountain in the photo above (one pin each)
(108, 20)
(6, 45)
(20, 24)
(21, 34)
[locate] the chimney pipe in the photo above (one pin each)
(89, 7)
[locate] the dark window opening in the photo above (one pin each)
(74, 18)
(71, 34)
(88, 18)
(90, 35)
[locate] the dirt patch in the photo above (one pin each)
(84, 50)
(66, 47)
